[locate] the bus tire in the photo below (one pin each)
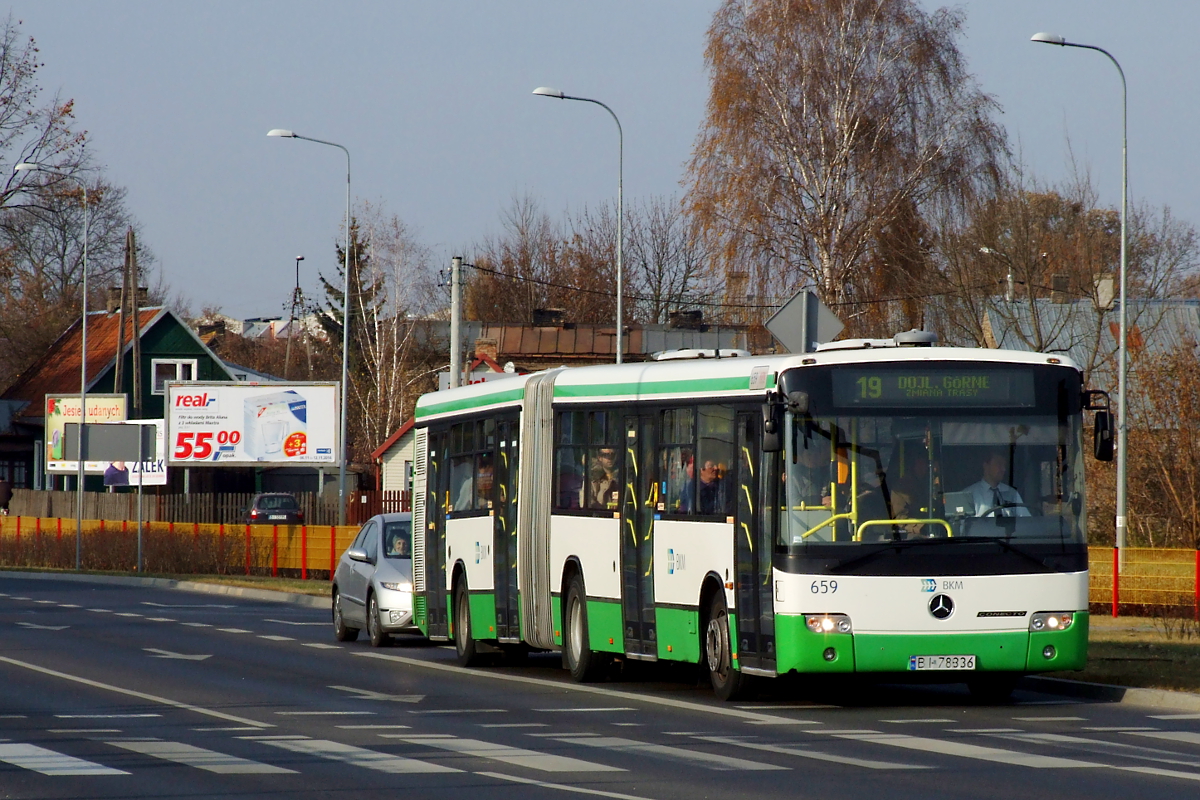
(586, 665)
(464, 645)
(728, 683)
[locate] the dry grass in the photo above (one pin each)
(1139, 651)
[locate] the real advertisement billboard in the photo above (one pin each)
(237, 424)
(61, 409)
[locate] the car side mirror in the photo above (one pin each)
(1102, 436)
(358, 554)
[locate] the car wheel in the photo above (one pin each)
(464, 645)
(728, 683)
(585, 664)
(341, 631)
(374, 626)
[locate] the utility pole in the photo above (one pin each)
(455, 321)
(134, 293)
(296, 299)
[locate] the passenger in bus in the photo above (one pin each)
(993, 497)
(570, 487)
(483, 482)
(681, 482)
(602, 479)
(809, 482)
(711, 490)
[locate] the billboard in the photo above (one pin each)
(151, 472)
(239, 424)
(61, 409)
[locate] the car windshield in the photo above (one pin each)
(942, 471)
(277, 502)
(397, 539)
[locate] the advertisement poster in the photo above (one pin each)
(152, 472)
(235, 424)
(61, 409)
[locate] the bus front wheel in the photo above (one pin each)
(464, 645)
(585, 664)
(727, 682)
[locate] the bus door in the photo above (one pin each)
(638, 507)
(755, 613)
(504, 510)
(437, 499)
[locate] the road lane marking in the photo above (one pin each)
(156, 653)
(276, 638)
(1174, 716)
(21, 598)
(67, 605)
(561, 787)
(1101, 747)
(161, 619)
(100, 610)
(1164, 773)
(233, 630)
(322, 646)
(629, 724)
(461, 711)
(48, 762)
(367, 694)
(238, 728)
(915, 721)
(185, 605)
(128, 614)
(200, 758)
(983, 730)
(512, 724)
(580, 710)
(106, 716)
(325, 713)
(36, 627)
(513, 756)
(1117, 729)
(695, 758)
(1050, 719)
(373, 727)
(196, 624)
(12, 716)
(1190, 737)
(964, 750)
(132, 693)
(293, 622)
(355, 756)
(804, 752)
(83, 730)
(45, 602)
(561, 686)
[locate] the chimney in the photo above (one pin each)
(1060, 287)
(487, 347)
(1104, 291)
(113, 301)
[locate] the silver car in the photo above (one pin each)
(372, 586)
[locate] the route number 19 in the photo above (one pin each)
(870, 387)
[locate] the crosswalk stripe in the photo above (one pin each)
(803, 752)
(1101, 747)
(1190, 737)
(562, 787)
(515, 756)
(48, 762)
(356, 756)
(200, 758)
(964, 750)
(706, 760)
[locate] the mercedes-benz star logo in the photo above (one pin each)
(941, 606)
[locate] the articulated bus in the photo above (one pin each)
(877, 506)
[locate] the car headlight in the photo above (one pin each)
(403, 586)
(828, 623)
(1051, 621)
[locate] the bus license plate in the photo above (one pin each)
(921, 663)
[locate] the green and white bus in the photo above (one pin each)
(877, 506)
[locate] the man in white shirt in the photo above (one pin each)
(993, 497)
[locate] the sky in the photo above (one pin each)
(433, 101)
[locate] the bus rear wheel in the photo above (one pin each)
(727, 682)
(585, 664)
(464, 645)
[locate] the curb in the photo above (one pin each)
(1127, 695)
(269, 595)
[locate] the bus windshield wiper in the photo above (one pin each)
(909, 544)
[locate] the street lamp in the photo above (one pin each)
(1122, 347)
(546, 91)
(286, 134)
(30, 166)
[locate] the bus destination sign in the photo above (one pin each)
(933, 387)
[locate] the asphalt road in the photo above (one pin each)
(114, 691)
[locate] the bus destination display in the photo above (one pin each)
(933, 387)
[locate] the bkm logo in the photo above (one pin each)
(675, 561)
(194, 400)
(928, 585)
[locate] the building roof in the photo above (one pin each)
(391, 440)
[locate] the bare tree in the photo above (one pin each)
(833, 125)
(667, 261)
(517, 271)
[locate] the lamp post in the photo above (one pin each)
(29, 166)
(546, 91)
(1123, 345)
(286, 134)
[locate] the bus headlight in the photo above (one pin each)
(1051, 621)
(828, 623)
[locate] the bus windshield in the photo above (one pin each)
(894, 455)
